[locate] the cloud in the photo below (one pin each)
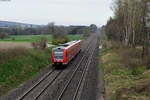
(59, 11)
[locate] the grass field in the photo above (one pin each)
(35, 38)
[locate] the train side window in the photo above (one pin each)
(67, 54)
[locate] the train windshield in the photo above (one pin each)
(58, 53)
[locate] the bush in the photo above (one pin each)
(138, 70)
(13, 38)
(131, 57)
(43, 43)
(116, 44)
(60, 39)
(110, 44)
(3, 35)
(35, 45)
(40, 45)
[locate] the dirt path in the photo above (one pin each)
(7, 45)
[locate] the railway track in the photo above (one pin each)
(35, 85)
(40, 86)
(81, 82)
(75, 80)
(47, 76)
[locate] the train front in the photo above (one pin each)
(58, 56)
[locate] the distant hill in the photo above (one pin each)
(17, 28)
(17, 24)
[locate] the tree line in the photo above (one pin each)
(130, 24)
(59, 33)
(45, 30)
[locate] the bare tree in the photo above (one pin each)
(129, 23)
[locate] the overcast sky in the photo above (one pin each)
(62, 12)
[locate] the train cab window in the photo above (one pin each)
(58, 53)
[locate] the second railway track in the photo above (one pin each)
(73, 85)
(28, 94)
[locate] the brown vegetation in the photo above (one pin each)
(140, 86)
(40, 45)
(12, 53)
(126, 74)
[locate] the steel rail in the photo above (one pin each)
(83, 75)
(47, 86)
(64, 89)
(36, 84)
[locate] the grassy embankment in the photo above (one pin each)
(126, 75)
(19, 64)
(35, 38)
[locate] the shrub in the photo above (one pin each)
(138, 70)
(3, 35)
(43, 43)
(131, 57)
(13, 38)
(146, 61)
(116, 44)
(35, 45)
(111, 44)
(59, 39)
(106, 44)
(40, 45)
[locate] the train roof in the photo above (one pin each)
(66, 45)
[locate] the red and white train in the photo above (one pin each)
(65, 52)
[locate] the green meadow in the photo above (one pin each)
(35, 38)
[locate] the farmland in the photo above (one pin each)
(35, 38)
